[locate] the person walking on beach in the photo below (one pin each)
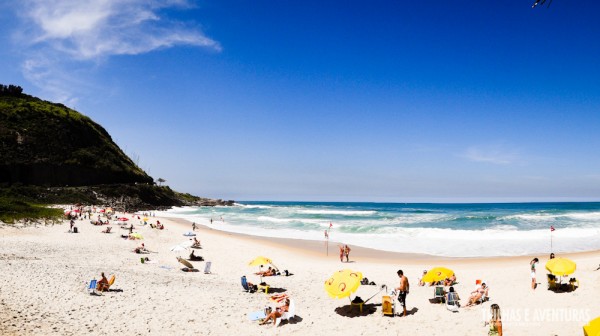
(342, 251)
(347, 252)
(402, 290)
(533, 280)
(193, 226)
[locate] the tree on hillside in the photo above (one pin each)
(160, 181)
(10, 90)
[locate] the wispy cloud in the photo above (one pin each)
(56, 32)
(495, 154)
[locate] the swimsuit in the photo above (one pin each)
(402, 298)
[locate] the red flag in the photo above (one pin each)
(552, 228)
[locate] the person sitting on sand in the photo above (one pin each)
(450, 281)
(195, 257)
(277, 313)
(421, 282)
(196, 243)
(477, 294)
(102, 284)
(456, 298)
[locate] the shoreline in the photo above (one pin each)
(316, 248)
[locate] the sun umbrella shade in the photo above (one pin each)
(592, 328)
(260, 261)
(437, 274)
(343, 283)
(561, 266)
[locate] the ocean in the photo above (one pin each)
(453, 230)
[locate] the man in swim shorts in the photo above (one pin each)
(403, 290)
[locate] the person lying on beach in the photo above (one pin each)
(477, 294)
(269, 272)
(141, 249)
(450, 281)
(277, 313)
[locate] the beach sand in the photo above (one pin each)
(45, 270)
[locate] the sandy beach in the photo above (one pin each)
(45, 271)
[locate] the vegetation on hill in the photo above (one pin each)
(44, 143)
(51, 154)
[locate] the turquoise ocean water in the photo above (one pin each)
(460, 230)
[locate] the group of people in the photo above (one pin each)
(269, 272)
(344, 252)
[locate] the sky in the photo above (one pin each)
(385, 101)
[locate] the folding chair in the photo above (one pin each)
(290, 314)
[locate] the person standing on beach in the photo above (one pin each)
(347, 252)
(403, 290)
(210, 220)
(533, 280)
(193, 226)
(342, 251)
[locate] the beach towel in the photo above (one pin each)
(256, 315)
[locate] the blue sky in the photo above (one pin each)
(342, 101)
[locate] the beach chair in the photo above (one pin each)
(92, 287)
(485, 296)
(247, 287)
(387, 306)
(438, 293)
(452, 302)
(288, 315)
(207, 267)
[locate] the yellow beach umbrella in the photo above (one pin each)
(343, 283)
(260, 261)
(561, 266)
(437, 274)
(592, 328)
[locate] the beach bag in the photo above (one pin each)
(364, 281)
(75, 229)
(268, 311)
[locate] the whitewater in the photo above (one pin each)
(451, 230)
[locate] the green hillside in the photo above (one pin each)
(49, 144)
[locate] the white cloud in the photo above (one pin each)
(89, 29)
(491, 154)
(61, 38)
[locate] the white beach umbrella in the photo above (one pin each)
(187, 244)
(178, 248)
